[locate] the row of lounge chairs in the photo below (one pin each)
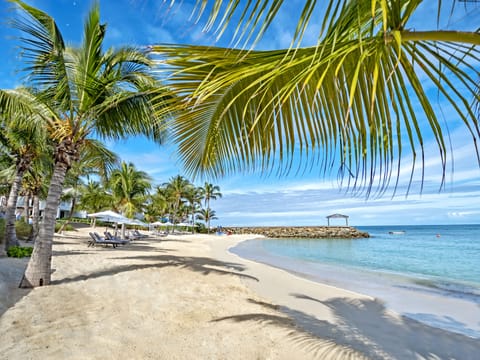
(106, 240)
(135, 234)
(110, 239)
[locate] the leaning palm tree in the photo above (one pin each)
(358, 101)
(87, 93)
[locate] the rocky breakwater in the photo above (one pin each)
(305, 232)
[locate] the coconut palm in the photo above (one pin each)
(210, 192)
(35, 183)
(177, 190)
(357, 102)
(206, 215)
(94, 198)
(95, 159)
(157, 205)
(25, 144)
(194, 198)
(129, 188)
(86, 93)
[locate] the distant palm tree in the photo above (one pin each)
(86, 93)
(95, 159)
(207, 215)
(357, 101)
(177, 190)
(157, 205)
(129, 188)
(210, 192)
(194, 198)
(94, 198)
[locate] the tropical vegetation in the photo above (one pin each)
(81, 93)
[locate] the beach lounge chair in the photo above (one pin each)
(138, 234)
(110, 237)
(97, 239)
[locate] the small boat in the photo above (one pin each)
(400, 232)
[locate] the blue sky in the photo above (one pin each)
(254, 199)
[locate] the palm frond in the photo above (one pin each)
(349, 103)
(43, 50)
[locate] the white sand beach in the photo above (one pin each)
(187, 297)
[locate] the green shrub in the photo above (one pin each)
(59, 224)
(23, 229)
(19, 251)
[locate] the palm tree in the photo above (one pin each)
(210, 192)
(86, 92)
(129, 188)
(157, 205)
(34, 181)
(207, 215)
(94, 198)
(95, 159)
(194, 198)
(347, 104)
(177, 190)
(25, 144)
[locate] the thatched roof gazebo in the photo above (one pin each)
(337, 216)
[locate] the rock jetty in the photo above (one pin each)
(305, 232)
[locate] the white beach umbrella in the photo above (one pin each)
(184, 224)
(112, 216)
(108, 215)
(138, 222)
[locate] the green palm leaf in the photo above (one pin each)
(357, 102)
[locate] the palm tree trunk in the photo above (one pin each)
(35, 218)
(70, 215)
(10, 217)
(38, 272)
(26, 207)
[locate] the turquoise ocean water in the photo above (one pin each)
(401, 265)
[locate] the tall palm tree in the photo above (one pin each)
(87, 93)
(355, 102)
(210, 192)
(129, 188)
(177, 190)
(194, 198)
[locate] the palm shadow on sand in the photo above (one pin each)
(364, 326)
(201, 265)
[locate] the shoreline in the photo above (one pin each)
(188, 297)
(398, 292)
